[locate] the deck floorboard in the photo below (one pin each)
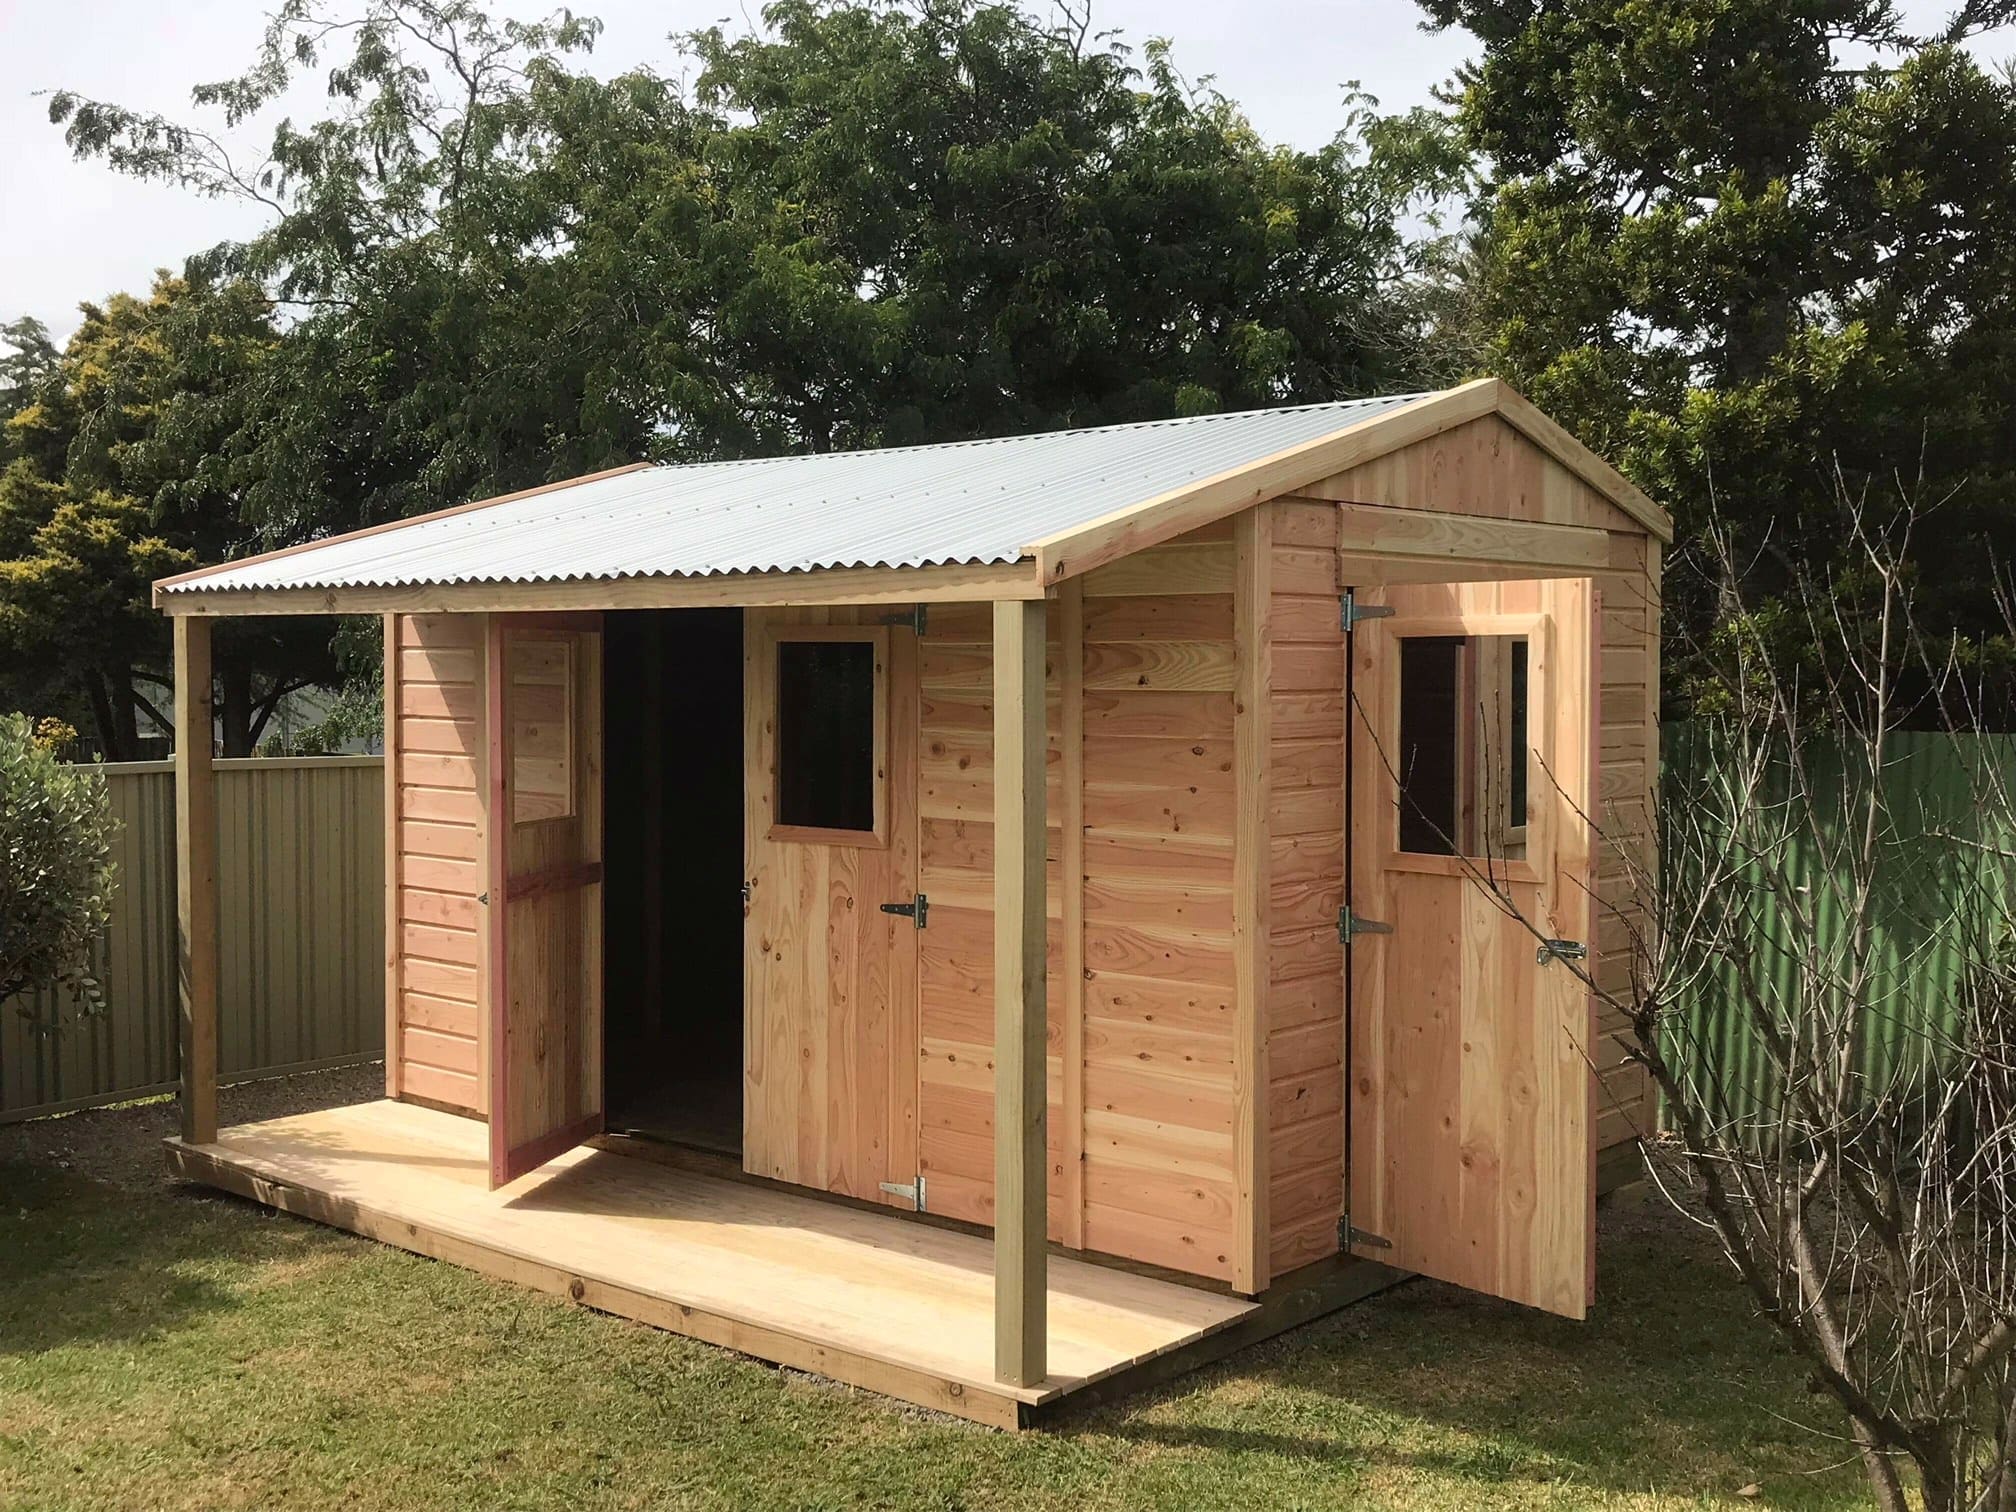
(898, 1307)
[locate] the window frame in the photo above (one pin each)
(877, 636)
(1537, 630)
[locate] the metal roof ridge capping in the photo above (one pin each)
(973, 502)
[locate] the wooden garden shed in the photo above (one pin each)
(992, 920)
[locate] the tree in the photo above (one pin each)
(56, 831)
(127, 465)
(1733, 261)
(29, 358)
(1867, 1200)
(988, 224)
(869, 223)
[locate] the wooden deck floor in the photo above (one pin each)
(894, 1306)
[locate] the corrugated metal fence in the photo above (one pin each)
(301, 895)
(1942, 895)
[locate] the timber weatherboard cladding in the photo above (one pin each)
(438, 841)
(1155, 1058)
(1304, 1005)
(1161, 986)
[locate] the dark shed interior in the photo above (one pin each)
(673, 858)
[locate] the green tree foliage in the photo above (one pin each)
(1736, 260)
(866, 223)
(124, 465)
(27, 356)
(56, 872)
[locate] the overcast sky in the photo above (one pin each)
(76, 231)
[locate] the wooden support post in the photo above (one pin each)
(1020, 1093)
(395, 1058)
(195, 880)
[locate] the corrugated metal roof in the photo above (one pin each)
(960, 502)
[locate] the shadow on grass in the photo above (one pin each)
(85, 1263)
(1672, 1384)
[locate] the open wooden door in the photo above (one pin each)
(1473, 771)
(545, 893)
(832, 910)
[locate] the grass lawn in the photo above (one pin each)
(160, 1347)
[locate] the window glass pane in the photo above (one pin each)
(826, 734)
(540, 693)
(1465, 752)
(1430, 676)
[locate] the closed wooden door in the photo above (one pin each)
(830, 938)
(1473, 775)
(544, 706)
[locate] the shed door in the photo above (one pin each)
(1473, 772)
(545, 962)
(831, 935)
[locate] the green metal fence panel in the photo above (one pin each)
(301, 873)
(1940, 892)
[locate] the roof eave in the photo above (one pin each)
(810, 587)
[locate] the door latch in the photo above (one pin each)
(1560, 950)
(918, 910)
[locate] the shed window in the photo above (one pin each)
(828, 735)
(1465, 745)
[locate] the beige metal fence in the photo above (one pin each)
(301, 891)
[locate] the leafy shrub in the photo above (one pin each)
(56, 831)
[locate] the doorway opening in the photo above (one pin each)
(672, 1017)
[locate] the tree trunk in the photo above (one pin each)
(1936, 1482)
(101, 716)
(125, 714)
(235, 708)
(2002, 1493)
(1882, 1472)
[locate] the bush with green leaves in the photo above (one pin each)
(56, 829)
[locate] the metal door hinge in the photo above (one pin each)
(914, 1191)
(1350, 926)
(747, 890)
(1348, 1237)
(1560, 950)
(1351, 613)
(920, 910)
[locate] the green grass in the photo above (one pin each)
(181, 1350)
